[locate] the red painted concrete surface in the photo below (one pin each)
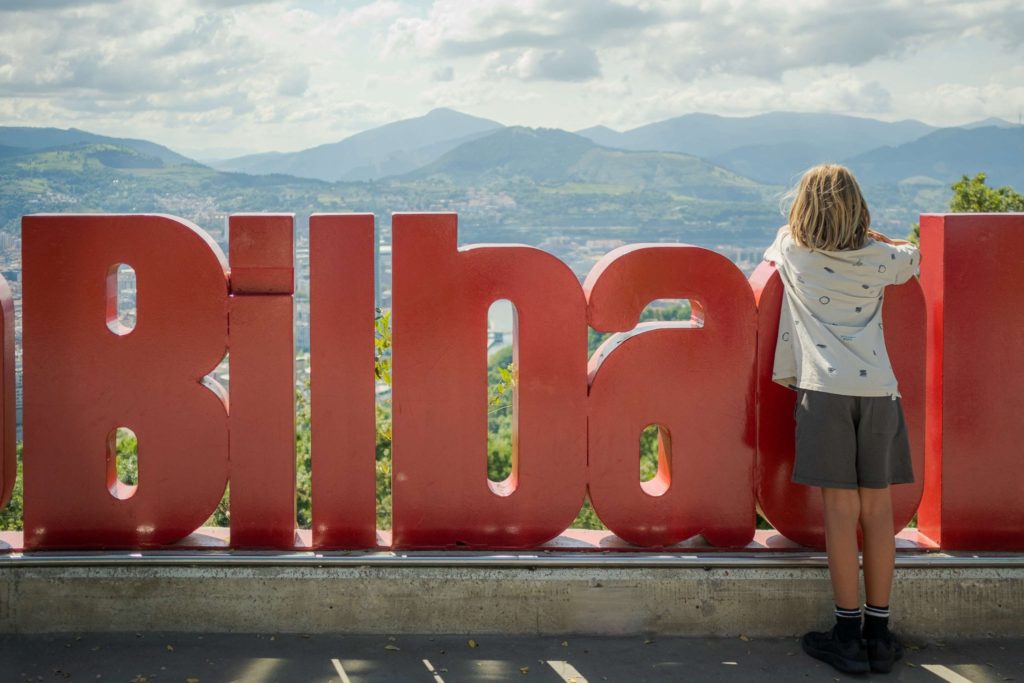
(342, 394)
(8, 426)
(82, 381)
(696, 383)
(261, 421)
(975, 428)
(726, 430)
(441, 495)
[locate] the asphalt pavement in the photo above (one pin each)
(213, 658)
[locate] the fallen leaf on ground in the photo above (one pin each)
(730, 663)
(648, 641)
(744, 638)
(524, 669)
(389, 646)
(170, 648)
(565, 643)
(191, 680)
(471, 642)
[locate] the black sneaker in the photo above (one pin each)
(850, 656)
(883, 653)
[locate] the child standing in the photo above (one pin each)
(850, 436)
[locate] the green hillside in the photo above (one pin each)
(114, 178)
(556, 158)
(30, 139)
(504, 189)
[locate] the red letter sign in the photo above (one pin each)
(262, 387)
(8, 419)
(695, 383)
(441, 494)
(971, 272)
(86, 375)
(341, 346)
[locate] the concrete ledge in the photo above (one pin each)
(969, 598)
(583, 541)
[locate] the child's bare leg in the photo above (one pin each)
(879, 544)
(842, 511)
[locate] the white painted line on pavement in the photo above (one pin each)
(945, 673)
(430, 668)
(567, 671)
(341, 671)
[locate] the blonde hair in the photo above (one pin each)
(828, 210)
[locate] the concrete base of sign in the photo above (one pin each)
(477, 593)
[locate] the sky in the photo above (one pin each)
(219, 78)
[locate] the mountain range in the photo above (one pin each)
(556, 156)
(772, 148)
(946, 154)
(19, 140)
(696, 172)
(391, 149)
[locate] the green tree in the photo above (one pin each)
(972, 195)
(10, 514)
(501, 384)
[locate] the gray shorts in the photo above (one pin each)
(846, 442)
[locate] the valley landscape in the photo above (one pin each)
(704, 179)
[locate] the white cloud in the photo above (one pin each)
(456, 29)
(688, 40)
(10, 6)
(289, 73)
(960, 102)
(294, 82)
(443, 74)
(573, 63)
(838, 93)
(842, 93)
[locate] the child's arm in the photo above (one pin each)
(874, 234)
